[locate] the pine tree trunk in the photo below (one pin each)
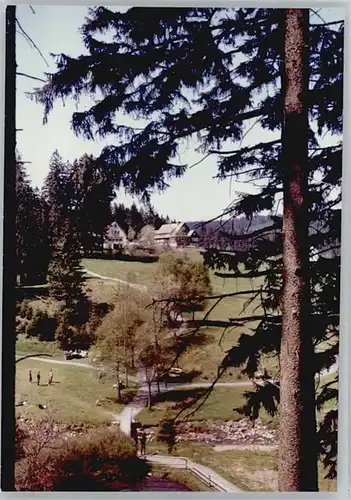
(158, 383)
(118, 379)
(126, 376)
(8, 421)
(149, 402)
(297, 447)
(133, 362)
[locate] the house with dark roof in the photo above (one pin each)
(177, 234)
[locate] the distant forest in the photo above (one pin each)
(220, 233)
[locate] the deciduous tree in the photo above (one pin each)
(177, 277)
(118, 333)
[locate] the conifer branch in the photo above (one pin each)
(258, 317)
(206, 297)
(260, 145)
(253, 274)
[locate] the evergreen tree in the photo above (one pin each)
(137, 218)
(32, 244)
(119, 215)
(65, 274)
(210, 74)
(57, 193)
(90, 204)
(66, 282)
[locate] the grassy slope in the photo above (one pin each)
(25, 346)
(205, 357)
(73, 396)
(218, 407)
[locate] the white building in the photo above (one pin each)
(115, 238)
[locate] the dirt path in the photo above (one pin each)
(134, 407)
(132, 285)
(65, 362)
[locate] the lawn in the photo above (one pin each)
(205, 356)
(26, 346)
(218, 407)
(101, 290)
(71, 399)
(131, 271)
(249, 470)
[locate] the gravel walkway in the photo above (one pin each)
(132, 285)
(207, 475)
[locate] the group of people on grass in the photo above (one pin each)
(50, 379)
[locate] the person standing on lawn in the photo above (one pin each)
(143, 442)
(38, 378)
(30, 376)
(51, 377)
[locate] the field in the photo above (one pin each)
(203, 358)
(26, 346)
(72, 397)
(220, 405)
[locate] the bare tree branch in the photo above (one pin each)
(200, 161)
(19, 73)
(32, 42)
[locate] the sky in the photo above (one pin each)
(55, 29)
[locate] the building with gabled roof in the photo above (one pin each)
(176, 234)
(115, 238)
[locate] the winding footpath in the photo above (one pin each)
(117, 280)
(136, 405)
(205, 474)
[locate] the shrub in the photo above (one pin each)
(100, 460)
(71, 332)
(42, 325)
(21, 325)
(97, 312)
(21, 435)
(25, 310)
